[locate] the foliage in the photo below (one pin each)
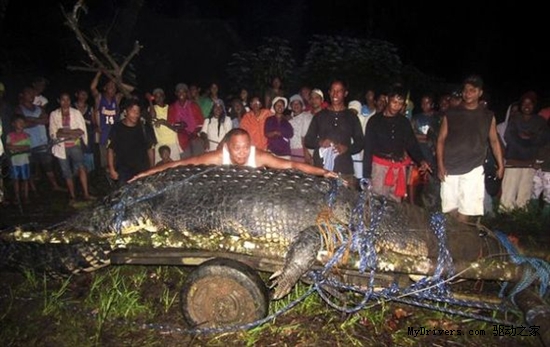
(256, 68)
(358, 61)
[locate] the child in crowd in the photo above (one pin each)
(19, 141)
(164, 152)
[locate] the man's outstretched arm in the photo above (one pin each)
(209, 158)
(266, 159)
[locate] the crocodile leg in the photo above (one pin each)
(300, 257)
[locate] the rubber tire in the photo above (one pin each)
(223, 292)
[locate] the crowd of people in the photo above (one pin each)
(451, 146)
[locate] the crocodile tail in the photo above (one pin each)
(56, 259)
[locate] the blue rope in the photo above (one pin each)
(363, 237)
(428, 293)
(539, 269)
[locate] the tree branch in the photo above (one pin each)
(134, 52)
(102, 61)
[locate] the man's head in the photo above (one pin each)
(133, 111)
(255, 104)
(316, 98)
(243, 94)
(27, 95)
(527, 102)
(194, 92)
(159, 95)
(64, 100)
(181, 91)
(305, 91)
(396, 101)
(237, 107)
(39, 84)
(296, 104)
(214, 89)
(109, 88)
(444, 102)
(238, 145)
(369, 96)
(82, 95)
(381, 101)
(338, 93)
(427, 104)
(472, 90)
(276, 82)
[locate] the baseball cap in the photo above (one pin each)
(318, 92)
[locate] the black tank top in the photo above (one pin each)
(467, 139)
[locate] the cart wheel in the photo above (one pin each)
(223, 292)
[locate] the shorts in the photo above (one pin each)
(464, 192)
(89, 161)
(541, 185)
(44, 159)
(73, 162)
(20, 172)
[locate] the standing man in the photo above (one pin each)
(465, 134)
(35, 125)
(129, 149)
(185, 115)
(335, 134)
(388, 148)
(106, 113)
(316, 101)
(67, 124)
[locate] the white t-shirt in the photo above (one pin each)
(40, 100)
(300, 124)
(210, 128)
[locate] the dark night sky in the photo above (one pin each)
(504, 44)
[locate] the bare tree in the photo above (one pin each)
(97, 49)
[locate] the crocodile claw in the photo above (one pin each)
(299, 259)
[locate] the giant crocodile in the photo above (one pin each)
(279, 214)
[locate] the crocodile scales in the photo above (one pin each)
(268, 213)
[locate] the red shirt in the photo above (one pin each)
(190, 114)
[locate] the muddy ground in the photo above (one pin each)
(138, 305)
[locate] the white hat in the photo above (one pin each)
(295, 97)
(278, 98)
(318, 92)
(355, 105)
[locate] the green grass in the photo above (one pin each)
(119, 300)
